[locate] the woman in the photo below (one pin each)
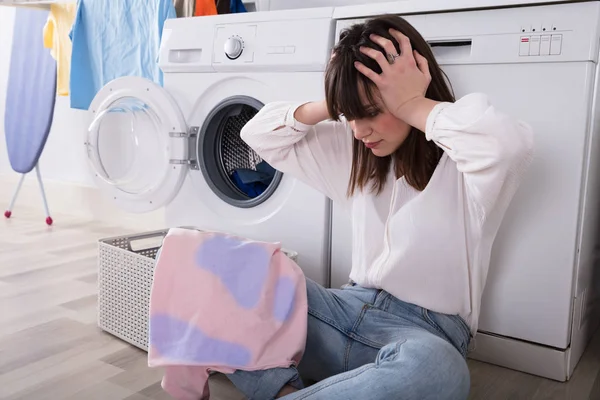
(427, 181)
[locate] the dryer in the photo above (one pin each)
(539, 63)
(178, 146)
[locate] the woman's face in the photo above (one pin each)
(381, 132)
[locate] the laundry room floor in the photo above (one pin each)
(51, 348)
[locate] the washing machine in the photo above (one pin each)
(178, 146)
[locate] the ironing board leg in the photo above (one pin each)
(8, 212)
(39, 178)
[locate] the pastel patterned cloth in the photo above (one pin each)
(222, 303)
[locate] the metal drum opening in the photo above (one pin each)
(231, 168)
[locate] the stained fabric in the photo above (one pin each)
(223, 303)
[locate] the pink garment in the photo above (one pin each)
(222, 303)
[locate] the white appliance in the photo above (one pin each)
(354, 8)
(538, 63)
(178, 145)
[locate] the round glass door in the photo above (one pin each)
(128, 146)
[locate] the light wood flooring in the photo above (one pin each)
(50, 347)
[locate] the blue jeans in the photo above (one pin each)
(366, 344)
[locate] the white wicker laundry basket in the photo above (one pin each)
(125, 272)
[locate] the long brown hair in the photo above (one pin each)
(417, 158)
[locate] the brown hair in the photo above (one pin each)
(417, 158)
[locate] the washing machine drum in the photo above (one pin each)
(231, 168)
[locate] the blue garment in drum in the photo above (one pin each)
(253, 183)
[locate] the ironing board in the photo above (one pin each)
(30, 99)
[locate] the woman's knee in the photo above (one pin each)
(430, 367)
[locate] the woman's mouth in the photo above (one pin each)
(372, 145)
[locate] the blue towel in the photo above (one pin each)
(236, 6)
(112, 39)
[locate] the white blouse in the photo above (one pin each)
(429, 248)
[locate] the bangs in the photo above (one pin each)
(351, 94)
(348, 92)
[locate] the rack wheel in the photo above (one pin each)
(7, 214)
(49, 221)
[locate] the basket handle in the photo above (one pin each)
(148, 241)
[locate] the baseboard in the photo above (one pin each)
(74, 199)
(522, 356)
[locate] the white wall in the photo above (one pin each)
(63, 163)
(64, 158)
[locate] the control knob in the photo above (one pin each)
(234, 47)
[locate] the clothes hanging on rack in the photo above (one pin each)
(205, 7)
(189, 8)
(237, 6)
(184, 8)
(56, 38)
(112, 39)
(223, 6)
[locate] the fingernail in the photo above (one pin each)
(356, 64)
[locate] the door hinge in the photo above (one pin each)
(192, 137)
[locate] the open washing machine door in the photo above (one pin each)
(138, 144)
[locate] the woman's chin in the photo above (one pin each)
(380, 151)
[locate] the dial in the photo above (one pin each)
(234, 47)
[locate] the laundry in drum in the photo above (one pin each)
(253, 182)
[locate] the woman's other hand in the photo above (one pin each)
(405, 77)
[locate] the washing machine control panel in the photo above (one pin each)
(234, 46)
(272, 45)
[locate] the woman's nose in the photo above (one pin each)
(361, 129)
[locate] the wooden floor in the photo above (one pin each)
(50, 347)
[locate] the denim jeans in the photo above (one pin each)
(366, 344)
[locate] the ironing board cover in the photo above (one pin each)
(31, 91)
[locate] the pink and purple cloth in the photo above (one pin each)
(223, 303)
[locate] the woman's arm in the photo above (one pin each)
(490, 148)
(297, 139)
(312, 113)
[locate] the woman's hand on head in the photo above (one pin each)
(404, 78)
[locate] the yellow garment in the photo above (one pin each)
(56, 38)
